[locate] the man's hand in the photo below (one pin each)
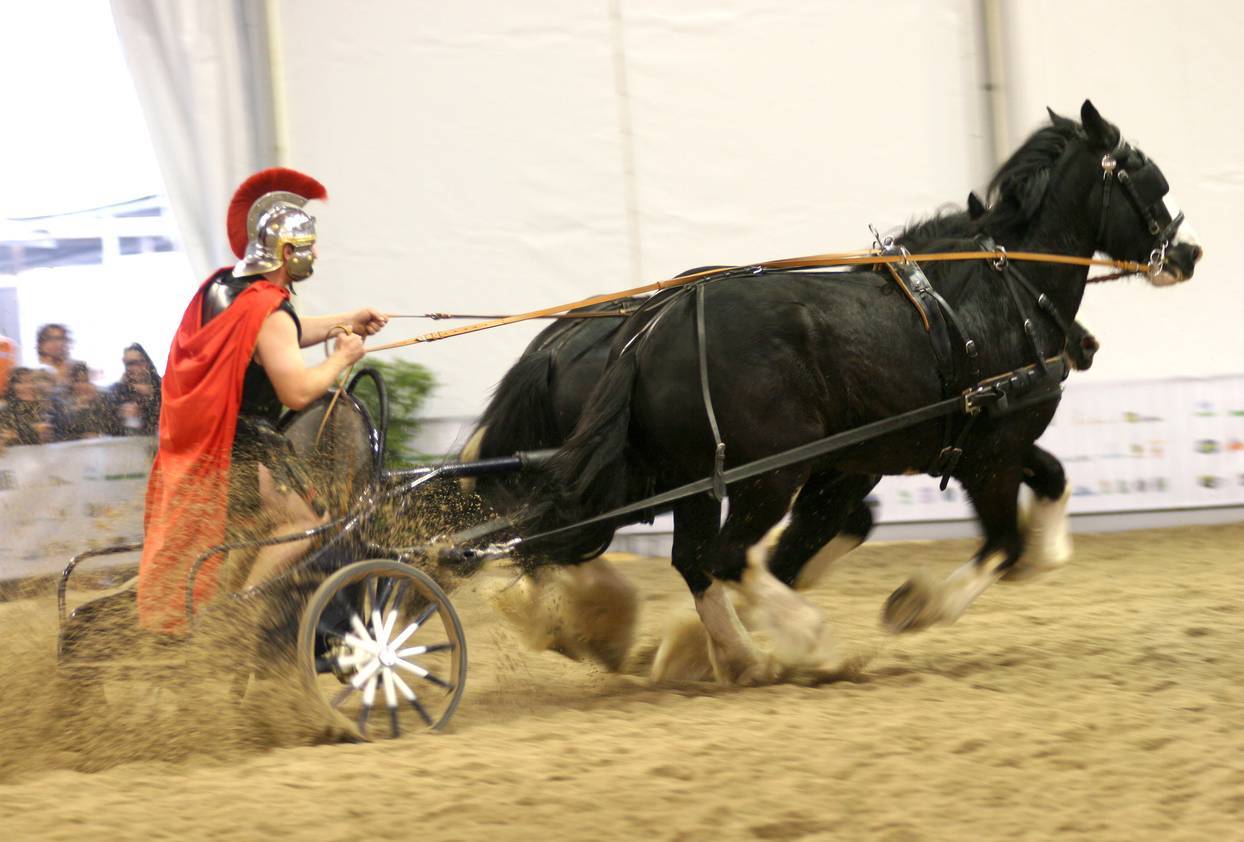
(368, 321)
(349, 346)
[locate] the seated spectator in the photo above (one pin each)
(82, 412)
(8, 359)
(28, 413)
(135, 398)
(52, 343)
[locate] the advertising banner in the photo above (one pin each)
(1126, 447)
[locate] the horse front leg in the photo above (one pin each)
(1047, 537)
(925, 601)
(829, 520)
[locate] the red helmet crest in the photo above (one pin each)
(267, 181)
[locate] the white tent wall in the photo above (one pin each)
(1166, 73)
(496, 157)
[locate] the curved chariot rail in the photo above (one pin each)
(63, 586)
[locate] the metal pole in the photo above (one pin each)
(994, 40)
(276, 74)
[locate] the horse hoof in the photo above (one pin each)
(910, 608)
(1023, 570)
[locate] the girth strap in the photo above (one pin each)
(719, 452)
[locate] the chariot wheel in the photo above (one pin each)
(381, 634)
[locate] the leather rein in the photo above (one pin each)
(869, 257)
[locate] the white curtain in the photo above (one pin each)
(204, 81)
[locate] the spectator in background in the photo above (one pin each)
(8, 359)
(82, 412)
(135, 398)
(52, 342)
(27, 417)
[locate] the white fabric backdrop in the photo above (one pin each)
(478, 157)
(202, 75)
(1164, 72)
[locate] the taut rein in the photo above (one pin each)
(815, 261)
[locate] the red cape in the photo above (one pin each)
(187, 493)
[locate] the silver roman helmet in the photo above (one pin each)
(268, 210)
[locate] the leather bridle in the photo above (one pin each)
(1143, 190)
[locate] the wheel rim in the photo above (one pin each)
(380, 640)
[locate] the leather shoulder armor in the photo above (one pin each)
(220, 294)
(224, 288)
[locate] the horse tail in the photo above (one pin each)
(520, 414)
(591, 467)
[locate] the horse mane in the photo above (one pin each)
(948, 222)
(1018, 188)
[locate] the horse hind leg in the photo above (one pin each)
(1047, 538)
(585, 610)
(794, 626)
(715, 643)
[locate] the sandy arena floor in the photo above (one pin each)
(1104, 702)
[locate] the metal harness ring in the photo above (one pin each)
(1157, 261)
(999, 263)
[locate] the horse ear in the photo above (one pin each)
(976, 208)
(1096, 127)
(1056, 118)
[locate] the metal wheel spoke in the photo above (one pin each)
(390, 691)
(355, 659)
(422, 711)
(367, 676)
(399, 593)
(364, 643)
(423, 650)
(342, 695)
(371, 592)
(427, 612)
(360, 629)
(402, 686)
(377, 626)
(395, 730)
(419, 671)
(364, 712)
(386, 588)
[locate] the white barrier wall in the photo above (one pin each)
(57, 500)
(1127, 447)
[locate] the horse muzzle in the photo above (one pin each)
(1180, 261)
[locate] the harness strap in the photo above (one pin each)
(1107, 182)
(719, 451)
(991, 394)
(1081, 344)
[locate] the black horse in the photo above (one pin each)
(536, 406)
(795, 357)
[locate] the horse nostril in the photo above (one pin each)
(1196, 253)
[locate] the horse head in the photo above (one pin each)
(1086, 181)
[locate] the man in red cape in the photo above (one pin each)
(233, 365)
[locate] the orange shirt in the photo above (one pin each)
(8, 359)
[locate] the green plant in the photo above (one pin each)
(409, 385)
